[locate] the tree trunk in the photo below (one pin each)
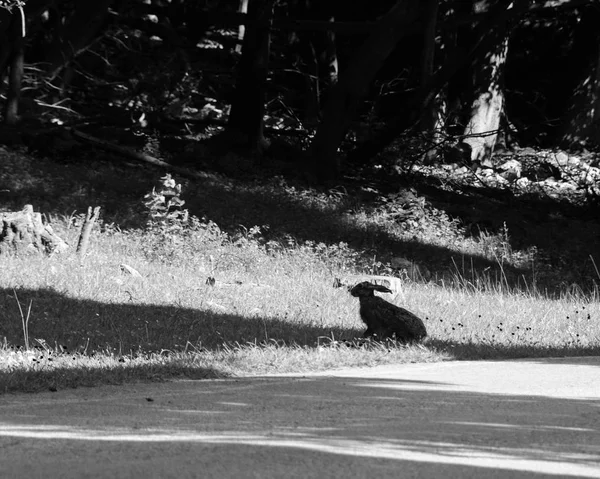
(455, 61)
(17, 65)
(429, 115)
(77, 35)
(243, 8)
(481, 130)
(431, 121)
(324, 46)
(330, 59)
(12, 44)
(582, 122)
(248, 109)
(317, 57)
(345, 97)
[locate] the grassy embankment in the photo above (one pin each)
(273, 308)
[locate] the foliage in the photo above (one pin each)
(9, 4)
(151, 69)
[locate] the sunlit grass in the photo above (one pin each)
(273, 308)
(271, 313)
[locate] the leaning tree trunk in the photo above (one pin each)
(345, 97)
(248, 109)
(582, 121)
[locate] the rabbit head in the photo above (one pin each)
(366, 289)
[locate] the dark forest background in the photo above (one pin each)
(317, 83)
(487, 110)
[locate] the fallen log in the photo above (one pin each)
(135, 155)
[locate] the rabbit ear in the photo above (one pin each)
(361, 288)
(382, 289)
(365, 285)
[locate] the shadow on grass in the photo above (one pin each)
(123, 329)
(306, 427)
(90, 327)
(490, 351)
(128, 342)
(304, 218)
(41, 376)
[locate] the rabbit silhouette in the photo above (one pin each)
(384, 319)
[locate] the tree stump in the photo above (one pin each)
(86, 230)
(24, 232)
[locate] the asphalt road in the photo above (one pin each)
(533, 418)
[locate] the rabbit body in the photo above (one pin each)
(384, 319)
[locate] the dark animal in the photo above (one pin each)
(386, 320)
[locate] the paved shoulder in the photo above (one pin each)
(575, 377)
(533, 418)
